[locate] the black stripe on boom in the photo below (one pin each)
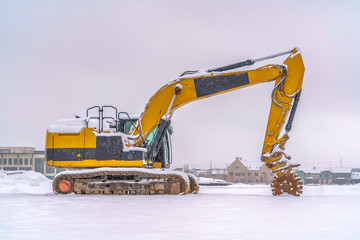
(210, 85)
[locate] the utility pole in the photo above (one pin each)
(340, 162)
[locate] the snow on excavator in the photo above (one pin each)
(121, 154)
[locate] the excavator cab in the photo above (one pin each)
(158, 144)
(102, 139)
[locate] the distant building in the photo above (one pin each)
(25, 158)
(219, 173)
(341, 175)
(216, 173)
(329, 176)
(326, 177)
(309, 176)
(239, 171)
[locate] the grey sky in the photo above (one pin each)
(58, 58)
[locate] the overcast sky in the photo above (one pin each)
(57, 58)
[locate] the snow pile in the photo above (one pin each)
(24, 182)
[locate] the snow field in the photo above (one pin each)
(230, 212)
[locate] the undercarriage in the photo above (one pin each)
(125, 181)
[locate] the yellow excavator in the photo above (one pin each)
(111, 152)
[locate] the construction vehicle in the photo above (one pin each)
(121, 154)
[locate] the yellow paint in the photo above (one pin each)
(94, 163)
(159, 102)
(90, 138)
(263, 74)
(49, 143)
(157, 165)
(69, 140)
(277, 115)
(86, 138)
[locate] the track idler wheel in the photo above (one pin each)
(63, 185)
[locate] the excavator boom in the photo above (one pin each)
(192, 87)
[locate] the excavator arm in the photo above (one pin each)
(195, 85)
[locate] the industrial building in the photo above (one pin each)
(25, 158)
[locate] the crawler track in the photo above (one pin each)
(124, 181)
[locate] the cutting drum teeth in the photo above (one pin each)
(286, 182)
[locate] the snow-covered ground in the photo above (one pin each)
(239, 211)
(209, 181)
